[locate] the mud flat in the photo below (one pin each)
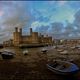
(32, 66)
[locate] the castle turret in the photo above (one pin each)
(17, 37)
(16, 29)
(47, 35)
(20, 31)
(30, 31)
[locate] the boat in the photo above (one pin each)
(62, 67)
(54, 47)
(64, 52)
(73, 47)
(44, 50)
(60, 50)
(25, 52)
(7, 54)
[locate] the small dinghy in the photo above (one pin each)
(25, 52)
(44, 50)
(63, 67)
(60, 50)
(73, 47)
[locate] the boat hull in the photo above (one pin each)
(61, 73)
(6, 56)
(44, 51)
(67, 69)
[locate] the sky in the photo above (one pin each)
(59, 19)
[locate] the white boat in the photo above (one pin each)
(60, 50)
(73, 47)
(63, 67)
(64, 52)
(25, 52)
(60, 46)
(54, 47)
(44, 50)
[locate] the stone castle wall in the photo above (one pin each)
(18, 38)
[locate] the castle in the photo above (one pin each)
(33, 38)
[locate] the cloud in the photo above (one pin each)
(42, 29)
(1, 13)
(61, 3)
(57, 27)
(15, 15)
(77, 19)
(45, 17)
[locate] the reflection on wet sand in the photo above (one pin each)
(33, 65)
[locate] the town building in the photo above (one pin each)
(8, 43)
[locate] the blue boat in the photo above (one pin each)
(63, 67)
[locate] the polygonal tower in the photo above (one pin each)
(17, 37)
(31, 31)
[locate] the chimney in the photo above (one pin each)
(16, 29)
(21, 30)
(30, 31)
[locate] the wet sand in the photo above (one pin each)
(33, 66)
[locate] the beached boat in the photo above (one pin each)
(73, 47)
(64, 52)
(60, 50)
(62, 67)
(7, 54)
(25, 52)
(54, 47)
(44, 50)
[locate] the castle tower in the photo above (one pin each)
(16, 29)
(17, 37)
(30, 31)
(47, 35)
(20, 31)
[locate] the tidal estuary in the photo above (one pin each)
(33, 65)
